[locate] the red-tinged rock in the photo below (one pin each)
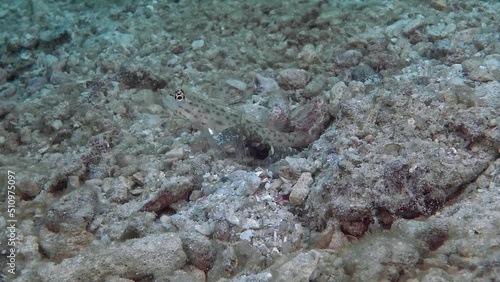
(171, 190)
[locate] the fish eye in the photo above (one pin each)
(179, 95)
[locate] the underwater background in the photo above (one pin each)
(296, 140)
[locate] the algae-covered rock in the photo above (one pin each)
(198, 249)
(77, 208)
(134, 259)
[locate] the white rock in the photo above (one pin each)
(246, 235)
(264, 84)
(233, 219)
(176, 153)
(56, 124)
(197, 44)
(249, 223)
(240, 85)
(301, 189)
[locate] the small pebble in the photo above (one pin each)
(301, 189)
(290, 79)
(197, 44)
(233, 220)
(438, 4)
(314, 87)
(56, 124)
(177, 153)
(238, 84)
(249, 223)
(247, 235)
(308, 55)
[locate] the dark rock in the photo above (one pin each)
(363, 73)
(140, 78)
(440, 49)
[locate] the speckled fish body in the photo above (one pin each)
(205, 115)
